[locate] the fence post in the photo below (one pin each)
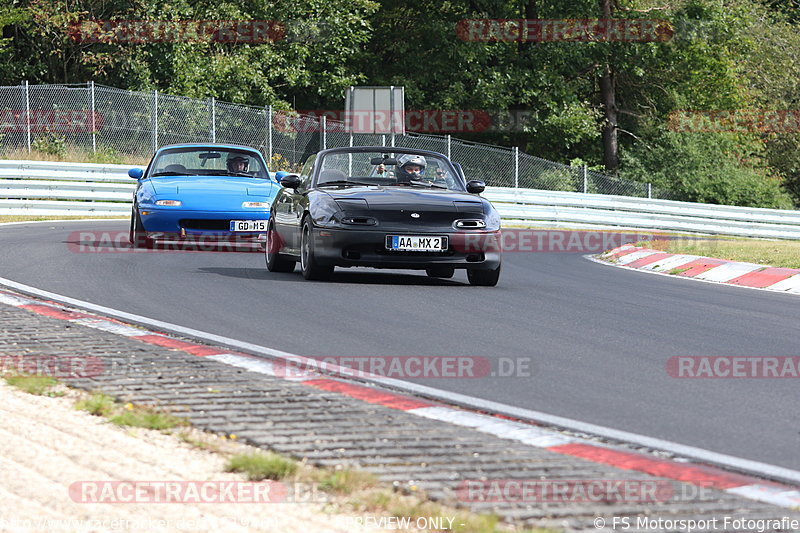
(212, 117)
(27, 113)
(94, 125)
(516, 166)
(449, 140)
(154, 121)
(350, 156)
(268, 129)
(323, 140)
(649, 190)
(585, 179)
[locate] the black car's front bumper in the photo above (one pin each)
(362, 247)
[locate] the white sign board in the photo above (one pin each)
(378, 110)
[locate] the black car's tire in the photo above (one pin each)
(137, 235)
(309, 264)
(275, 263)
(484, 278)
(440, 271)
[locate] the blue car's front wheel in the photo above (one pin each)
(138, 236)
(276, 263)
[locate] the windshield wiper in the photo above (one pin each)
(238, 174)
(428, 183)
(345, 182)
(170, 173)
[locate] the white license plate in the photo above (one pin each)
(248, 225)
(416, 243)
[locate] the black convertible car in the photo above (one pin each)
(383, 207)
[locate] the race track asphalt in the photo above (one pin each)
(598, 337)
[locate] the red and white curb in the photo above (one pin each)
(706, 268)
(526, 432)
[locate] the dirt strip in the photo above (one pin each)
(46, 446)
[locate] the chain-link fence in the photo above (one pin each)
(96, 118)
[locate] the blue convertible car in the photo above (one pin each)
(201, 190)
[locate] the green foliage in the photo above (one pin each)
(720, 168)
(722, 56)
(50, 144)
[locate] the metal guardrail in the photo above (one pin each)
(55, 188)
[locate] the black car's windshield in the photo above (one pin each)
(392, 168)
(208, 161)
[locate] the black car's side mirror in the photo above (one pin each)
(291, 181)
(475, 186)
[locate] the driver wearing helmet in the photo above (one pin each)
(238, 163)
(412, 168)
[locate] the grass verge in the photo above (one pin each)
(76, 155)
(34, 384)
(130, 415)
(258, 466)
(763, 252)
(35, 218)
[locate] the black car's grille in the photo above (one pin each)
(206, 224)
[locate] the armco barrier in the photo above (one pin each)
(55, 188)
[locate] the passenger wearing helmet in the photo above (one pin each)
(412, 168)
(238, 163)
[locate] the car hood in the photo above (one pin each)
(392, 198)
(216, 185)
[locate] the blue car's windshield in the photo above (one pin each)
(209, 161)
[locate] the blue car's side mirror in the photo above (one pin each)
(280, 175)
(136, 173)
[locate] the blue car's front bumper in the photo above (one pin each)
(172, 223)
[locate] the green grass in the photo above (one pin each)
(129, 415)
(97, 404)
(348, 481)
(760, 251)
(258, 466)
(77, 155)
(32, 384)
(143, 417)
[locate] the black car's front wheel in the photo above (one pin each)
(309, 264)
(275, 262)
(138, 236)
(484, 278)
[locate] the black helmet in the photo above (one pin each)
(233, 159)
